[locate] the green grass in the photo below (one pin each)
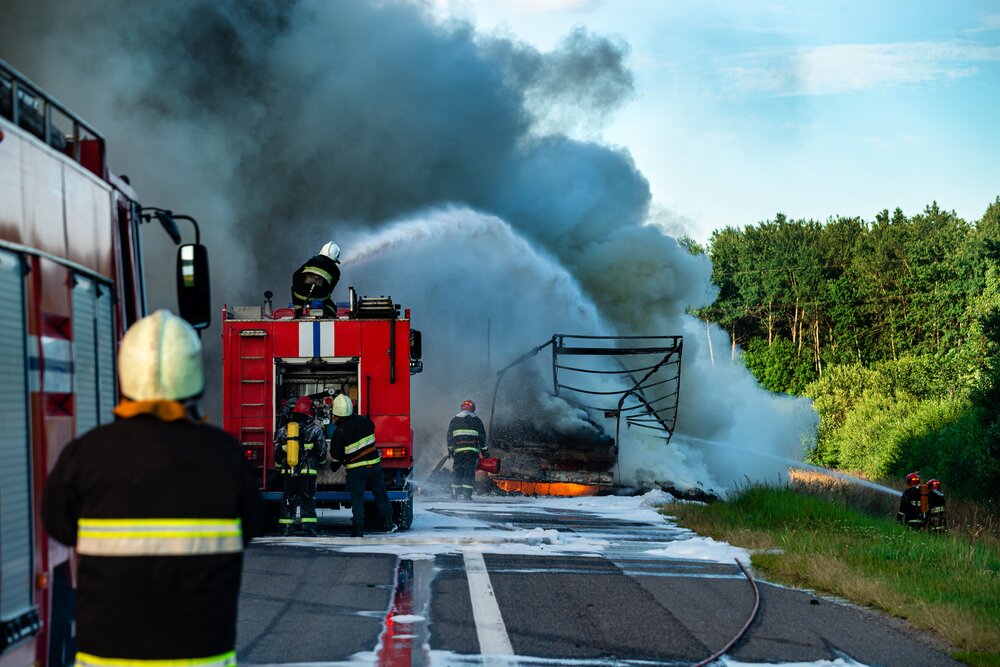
(944, 583)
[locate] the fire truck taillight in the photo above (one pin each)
(252, 454)
(394, 452)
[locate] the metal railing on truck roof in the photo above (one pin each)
(29, 107)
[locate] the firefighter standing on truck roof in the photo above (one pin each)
(353, 445)
(316, 279)
(466, 443)
(910, 512)
(159, 507)
(299, 475)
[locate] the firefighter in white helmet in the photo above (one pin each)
(353, 445)
(466, 443)
(316, 279)
(156, 491)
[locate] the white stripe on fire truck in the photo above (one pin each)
(58, 371)
(315, 339)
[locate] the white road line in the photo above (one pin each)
(494, 644)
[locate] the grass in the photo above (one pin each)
(949, 584)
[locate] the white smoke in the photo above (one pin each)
(281, 126)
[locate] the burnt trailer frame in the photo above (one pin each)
(659, 413)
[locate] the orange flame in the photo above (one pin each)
(547, 488)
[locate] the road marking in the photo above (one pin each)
(492, 633)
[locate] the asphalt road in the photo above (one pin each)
(493, 583)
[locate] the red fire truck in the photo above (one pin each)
(368, 351)
(71, 282)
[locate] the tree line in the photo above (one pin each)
(891, 318)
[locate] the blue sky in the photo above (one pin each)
(743, 109)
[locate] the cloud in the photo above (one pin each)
(847, 68)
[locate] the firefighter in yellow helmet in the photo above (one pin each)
(156, 491)
(316, 279)
(353, 445)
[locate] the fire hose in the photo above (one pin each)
(746, 626)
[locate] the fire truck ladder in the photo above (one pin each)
(645, 408)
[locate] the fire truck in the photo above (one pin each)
(367, 351)
(71, 282)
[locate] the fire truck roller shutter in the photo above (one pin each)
(93, 354)
(16, 564)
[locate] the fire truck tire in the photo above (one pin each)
(272, 512)
(402, 513)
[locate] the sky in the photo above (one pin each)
(814, 109)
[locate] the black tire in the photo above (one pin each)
(272, 512)
(373, 524)
(402, 512)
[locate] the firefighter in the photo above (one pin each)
(353, 446)
(466, 443)
(159, 507)
(936, 521)
(316, 279)
(909, 505)
(299, 480)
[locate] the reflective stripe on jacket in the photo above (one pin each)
(313, 441)
(466, 434)
(223, 660)
(159, 512)
(353, 442)
(158, 537)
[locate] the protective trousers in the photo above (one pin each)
(464, 473)
(300, 492)
(371, 477)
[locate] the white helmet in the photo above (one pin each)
(342, 405)
(331, 250)
(160, 359)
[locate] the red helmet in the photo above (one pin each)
(468, 406)
(933, 484)
(304, 406)
(912, 479)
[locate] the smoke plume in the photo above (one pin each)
(439, 158)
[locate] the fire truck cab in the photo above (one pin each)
(368, 352)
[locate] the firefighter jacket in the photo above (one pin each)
(311, 440)
(466, 434)
(353, 442)
(935, 510)
(159, 512)
(321, 274)
(909, 508)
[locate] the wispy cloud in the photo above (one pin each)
(846, 68)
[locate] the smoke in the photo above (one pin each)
(283, 125)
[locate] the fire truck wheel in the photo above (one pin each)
(272, 511)
(402, 513)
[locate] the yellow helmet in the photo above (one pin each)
(160, 359)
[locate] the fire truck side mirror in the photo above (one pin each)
(194, 298)
(416, 345)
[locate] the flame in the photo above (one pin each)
(547, 488)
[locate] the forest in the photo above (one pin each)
(891, 326)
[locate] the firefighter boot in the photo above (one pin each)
(358, 529)
(310, 529)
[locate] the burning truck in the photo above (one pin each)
(607, 383)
